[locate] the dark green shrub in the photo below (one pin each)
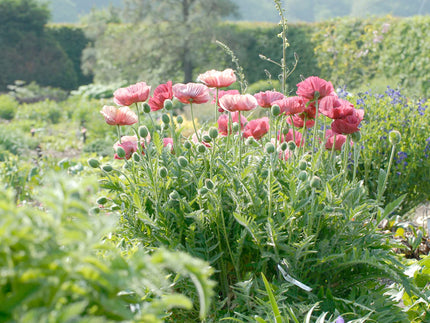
(8, 107)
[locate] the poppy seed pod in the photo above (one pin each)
(213, 132)
(179, 119)
(143, 131)
(276, 110)
(163, 172)
(395, 137)
(187, 145)
(146, 107)
(270, 148)
(120, 152)
(285, 131)
(182, 161)
(165, 118)
(303, 176)
(94, 163)
(302, 165)
(283, 146)
(315, 182)
(168, 105)
(292, 145)
(201, 148)
(107, 168)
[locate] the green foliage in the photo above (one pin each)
(29, 93)
(8, 107)
(55, 266)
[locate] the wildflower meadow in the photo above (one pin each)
(276, 206)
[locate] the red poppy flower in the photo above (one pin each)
(299, 121)
(119, 117)
(238, 102)
(334, 139)
(256, 128)
(335, 108)
(223, 122)
(218, 79)
(126, 96)
(162, 93)
(348, 124)
(291, 105)
(313, 85)
(191, 93)
(266, 99)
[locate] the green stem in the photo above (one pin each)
(194, 124)
(118, 129)
(216, 104)
(381, 192)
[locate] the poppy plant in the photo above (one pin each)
(335, 108)
(238, 102)
(223, 122)
(334, 140)
(191, 93)
(221, 93)
(291, 105)
(162, 93)
(266, 99)
(129, 144)
(348, 124)
(135, 93)
(256, 128)
(217, 79)
(314, 88)
(118, 116)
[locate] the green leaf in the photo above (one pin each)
(275, 308)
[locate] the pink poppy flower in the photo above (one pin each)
(348, 124)
(313, 84)
(335, 108)
(129, 144)
(221, 93)
(162, 93)
(299, 121)
(223, 122)
(135, 93)
(256, 128)
(123, 116)
(330, 140)
(217, 79)
(191, 93)
(291, 105)
(168, 142)
(266, 99)
(238, 102)
(290, 137)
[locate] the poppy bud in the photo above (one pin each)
(107, 168)
(285, 131)
(102, 200)
(165, 118)
(303, 176)
(187, 145)
(250, 141)
(94, 210)
(207, 138)
(236, 127)
(270, 148)
(283, 146)
(136, 157)
(203, 190)
(276, 110)
(209, 184)
(146, 107)
(120, 152)
(395, 137)
(182, 161)
(143, 131)
(292, 145)
(94, 163)
(315, 182)
(162, 172)
(165, 126)
(168, 105)
(356, 136)
(179, 119)
(201, 148)
(174, 195)
(303, 165)
(213, 132)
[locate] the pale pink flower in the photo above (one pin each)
(266, 99)
(335, 108)
(291, 105)
(223, 121)
(191, 93)
(238, 102)
(221, 93)
(114, 116)
(135, 93)
(256, 128)
(129, 144)
(299, 121)
(217, 79)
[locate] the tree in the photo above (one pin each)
(167, 36)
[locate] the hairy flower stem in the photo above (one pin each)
(315, 126)
(345, 158)
(194, 123)
(138, 113)
(240, 141)
(216, 104)
(118, 129)
(381, 192)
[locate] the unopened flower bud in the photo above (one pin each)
(303, 176)
(356, 136)
(143, 131)
(270, 148)
(120, 152)
(174, 195)
(395, 137)
(292, 146)
(201, 148)
(264, 173)
(146, 107)
(168, 105)
(315, 182)
(316, 95)
(209, 184)
(213, 132)
(302, 165)
(207, 138)
(283, 146)
(285, 131)
(276, 110)
(182, 161)
(187, 145)
(203, 190)
(102, 200)
(94, 210)
(107, 168)
(136, 157)
(250, 141)
(236, 126)
(162, 172)
(94, 163)
(165, 118)
(179, 119)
